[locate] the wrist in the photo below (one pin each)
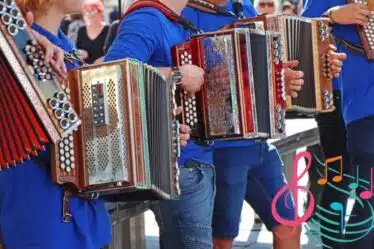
(329, 15)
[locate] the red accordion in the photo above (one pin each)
(34, 108)
(366, 33)
(243, 95)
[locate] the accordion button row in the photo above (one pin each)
(11, 17)
(328, 99)
(62, 109)
(66, 155)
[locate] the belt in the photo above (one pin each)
(355, 48)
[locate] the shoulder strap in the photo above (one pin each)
(211, 8)
(156, 4)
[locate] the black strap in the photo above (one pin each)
(355, 48)
(211, 8)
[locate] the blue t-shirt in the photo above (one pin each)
(148, 36)
(31, 204)
(210, 22)
(357, 78)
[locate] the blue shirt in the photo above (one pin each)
(31, 204)
(357, 77)
(210, 22)
(148, 36)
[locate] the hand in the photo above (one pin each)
(99, 60)
(336, 61)
(184, 130)
(83, 54)
(294, 79)
(192, 78)
(353, 13)
(54, 55)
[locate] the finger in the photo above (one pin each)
(184, 137)
(57, 70)
(183, 143)
(290, 64)
(184, 129)
(362, 18)
(292, 75)
(299, 82)
(336, 63)
(365, 12)
(29, 18)
(191, 94)
(294, 95)
(337, 75)
(295, 88)
(332, 48)
(60, 59)
(179, 110)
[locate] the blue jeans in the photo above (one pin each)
(254, 174)
(186, 223)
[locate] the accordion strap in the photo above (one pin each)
(170, 14)
(350, 46)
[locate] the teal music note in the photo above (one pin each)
(355, 185)
(337, 206)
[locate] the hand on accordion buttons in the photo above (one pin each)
(192, 78)
(336, 61)
(294, 79)
(53, 54)
(184, 130)
(353, 13)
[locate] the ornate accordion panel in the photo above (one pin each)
(231, 105)
(128, 141)
(306, 40)
(34, 108)
(367, 33)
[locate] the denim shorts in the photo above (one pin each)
(186, 223)
(254, 174)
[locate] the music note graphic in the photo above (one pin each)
(337, 206)
(338, 178)
(366, 195)
(355, 185)
(294, 187)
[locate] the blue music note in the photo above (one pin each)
(337, 206)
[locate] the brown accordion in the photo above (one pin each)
(34, 108)
(243, 95)
(306, 40)
(366, 33)
(128, 143)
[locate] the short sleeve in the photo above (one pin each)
(137, 38)
(316, 8)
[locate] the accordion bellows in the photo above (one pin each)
(34, 108)
(243, 96)
(128, 142)
(307, 40)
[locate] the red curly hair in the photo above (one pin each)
(33, 5)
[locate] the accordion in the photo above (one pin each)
(308, 41)
(366, 33)
(243, 95)
(128, 142)
(34, 107)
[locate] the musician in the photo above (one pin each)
(148, 36)
(250, 170)
(356, 85)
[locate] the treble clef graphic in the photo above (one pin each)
(294, 187)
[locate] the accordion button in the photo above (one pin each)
(195, 120)
(68, 169)
(59, 113)
(187, 114)
(64, 123)
(61, 145)
(194, 108)
(67, 162)
(62, 166)
(192, 123)
(195, 114)
(62, 151)
(13, 29)
(62, 158)
(21, 23)
(72, 165)
(72, 159)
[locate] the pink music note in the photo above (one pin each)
(339, 178)
(366, 195)
(294, 187)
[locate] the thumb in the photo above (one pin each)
(179, 110)
(29, 18)
(290, 64)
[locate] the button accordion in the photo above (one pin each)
(34, 107)
(128, 142)
(243, 95)
(307, 40)
(367, 33)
